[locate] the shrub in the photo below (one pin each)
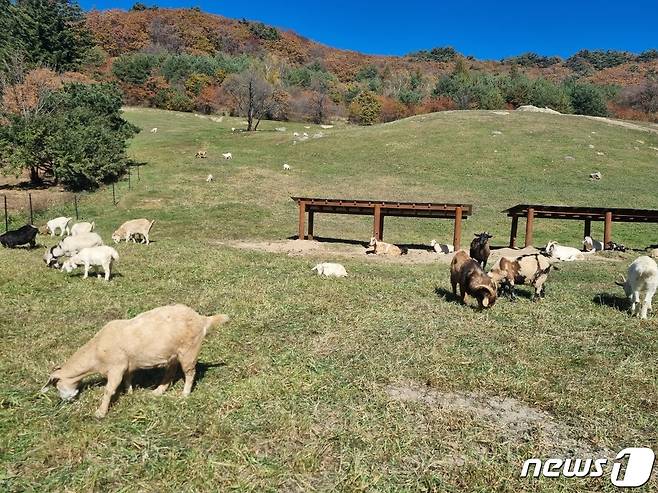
(440, 54)
(135, 68)
(262, 31)
(391, 109)
(587, 99)
(544, 93)
(365, 109)
(195, 83)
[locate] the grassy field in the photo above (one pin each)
(353, 384)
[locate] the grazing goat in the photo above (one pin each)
(530, 269)
(210, 178)
(591, 244)
(227, 155)
(286, 167)
(61, 223)
(595, 176)
(133, 228)
(79, 228)
(99, 256)
(641, 285)
(654, 253)
(383, 248)
(329, 269)
(472, 280)
(441, 248)
(25, 235)
(163, 337)
(70, 246)
(154, 130)
(480, 250)
(201, 154)
(563, 253)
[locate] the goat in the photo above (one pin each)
(227, 155)
(441, 248)
(383, 248)
(154, 130)
(163, 337)
(480, 249)
(530, 269)
(563, 253)
(70, 246)
(99, 256)
(210, 178)
(61, 223)
(201, 154)
(615, 247)
(329, 269)
(591, 244)
(641, 285)
(595, 176)
(25, 235)
(79, 228)
(131, 229)
(286, 167)
(472, 280)
(654, 253)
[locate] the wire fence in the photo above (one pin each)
(19, 208)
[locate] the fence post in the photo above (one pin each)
(129, 178)
(138, 172)
(114, 197)
(29, 195)
(75, 201)
(6, 216)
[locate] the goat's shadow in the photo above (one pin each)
(619, 303)
(447, 295)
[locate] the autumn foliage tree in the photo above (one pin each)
(365, 109)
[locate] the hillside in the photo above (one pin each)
(380, 381)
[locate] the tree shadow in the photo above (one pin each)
(619, 303)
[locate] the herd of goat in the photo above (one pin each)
(171, 336)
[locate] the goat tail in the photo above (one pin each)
(115, 254)
(151, 225)
(216, 321)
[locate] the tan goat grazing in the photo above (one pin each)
(162, 337)
(472, 280)
(133, 228)
(527, 269)
(383, 248)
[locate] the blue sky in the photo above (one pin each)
(486, 30)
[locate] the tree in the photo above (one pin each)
(365, 109)
(252, 95)
(78, 137)
(587, 99)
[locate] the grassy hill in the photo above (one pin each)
(378, 382)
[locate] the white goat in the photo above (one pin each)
(563, 253)
(79, 228)
(154, 130)
(130, 229)
(227, 155)
(329, 269)
(210, 178)
(163, 337)
(61, 223)
(99, 256)
(286, 167)
(641, 285)
(441, 248)
(295, 134)
(591, 244)
(70, 246)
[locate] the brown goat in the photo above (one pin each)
(480, 250)
(472, 280)
(527, 269)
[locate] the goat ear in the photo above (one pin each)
(623, 281)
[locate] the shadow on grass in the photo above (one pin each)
(366, 244)
(619, 303)
(447, 295)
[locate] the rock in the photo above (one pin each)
(533, 109)
(569, 158)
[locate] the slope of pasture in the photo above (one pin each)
(301, 391)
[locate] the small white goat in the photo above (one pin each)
(79, 228)
(563, 253)
(61, 223)
(295, 134)
(163, 337)
(130, 229)
(641, 285)
(227, 155)
(591, 244)
(286, 167)
(70, 246)
(154, 130)
(233, 129)
(383, 248)
(442, 248)
(99, 256)
(210, 178)
(329, 269)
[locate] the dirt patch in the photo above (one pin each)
(517, 422)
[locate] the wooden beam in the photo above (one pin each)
(302, 220)
(513, 231)
(376, 229)
(588, 228)
(529, 224)
(457, 236)
(311, 217)
(607, 228)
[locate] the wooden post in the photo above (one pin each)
(528, 227)
(607, 229)
(311, 216)
(114, 197)
(75, 201)
(302, 220)
(513, 231)
(381, 226)
(376, 231)
(129, 185)
(588, 228)
(457, 236)
(6, 216)
(29, 196)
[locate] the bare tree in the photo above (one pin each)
(252, 95)
(319, 101)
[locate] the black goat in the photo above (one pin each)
(22, 236)
(480, 250)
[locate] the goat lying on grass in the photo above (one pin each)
(162, 337)
(383, 248)
(25, 235)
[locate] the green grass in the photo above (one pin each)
(291, 394)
